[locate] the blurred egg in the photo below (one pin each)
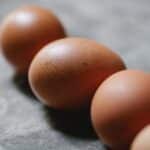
(25, 31)
(142, 140)
(121, 108)
(66, 73)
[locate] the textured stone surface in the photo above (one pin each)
(25, 124)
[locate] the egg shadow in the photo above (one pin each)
(72, 123)
(22, 84)
(76, 124)
(107, 148)
(125, 147)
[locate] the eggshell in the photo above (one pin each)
(121, 108)
(142, 140)
(25, 31)
(66, 73)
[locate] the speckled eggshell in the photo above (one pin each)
(66, 73)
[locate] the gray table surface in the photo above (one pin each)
(25, 124)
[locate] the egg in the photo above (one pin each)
(25, 31)
(142, 140)
(65, 74)
(121, 108)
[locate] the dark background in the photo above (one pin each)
(25, 124)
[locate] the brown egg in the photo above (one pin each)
(25, 31)
(142, 140)
(121, 108)
(66, 73)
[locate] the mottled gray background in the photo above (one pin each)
(25, 124)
